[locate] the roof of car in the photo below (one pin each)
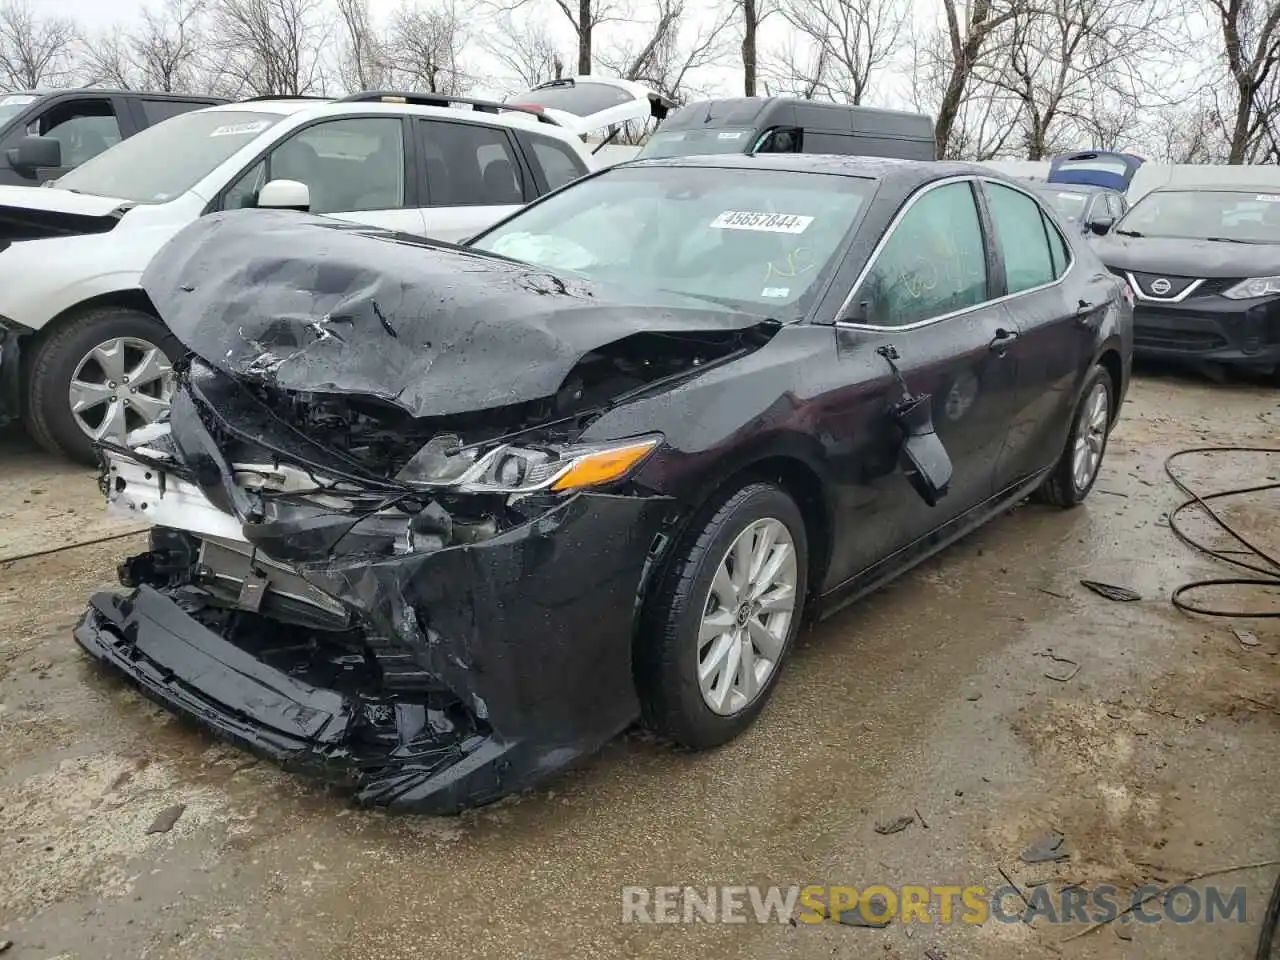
(903, 173)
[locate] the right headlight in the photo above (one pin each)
(1253, 287)
(524, 468)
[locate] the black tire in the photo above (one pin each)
(49, 419)
(1060, 487)
(667, 649)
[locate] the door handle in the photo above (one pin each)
(1001, 341)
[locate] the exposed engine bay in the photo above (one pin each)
(382, 438)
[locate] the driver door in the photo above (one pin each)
(928, 297)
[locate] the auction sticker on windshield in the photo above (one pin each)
(1268, 198)
(240, 129)
(769, 222)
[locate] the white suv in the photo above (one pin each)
(83, 356)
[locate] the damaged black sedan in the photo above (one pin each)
(434, 522)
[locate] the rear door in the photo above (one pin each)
(1055, 299)
(472, 175)
(928, 294)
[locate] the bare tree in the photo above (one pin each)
(1250, 35)
(1061, 57)
(162, 52)
(753, 14)
(34, 50)
(270, 46)
(663, 59)
(524, 47)
(362, 55)
(946, 62)
(427, 46)
(851, 39)
(584, 16)
(795, 69)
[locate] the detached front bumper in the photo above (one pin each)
(529, 633)
(11, 337)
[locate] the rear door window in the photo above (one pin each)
(156, 111)
(467, 164)
(1021, 234)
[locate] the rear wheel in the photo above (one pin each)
(722, 620)
(101, 374)
(1077, 469)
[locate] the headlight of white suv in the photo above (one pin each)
(1254, 287)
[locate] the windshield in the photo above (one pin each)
(759, 240)
(1069, 204)
(167, 160)
(572, 96)
(13, 105)
(1205, 215)
(688, 143)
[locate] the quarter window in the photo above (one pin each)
(933, 263)
(1023, 238)
(1059, 252)
(559, 164)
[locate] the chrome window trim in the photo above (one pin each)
(1137, 290)
(893, 225)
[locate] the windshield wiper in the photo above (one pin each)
(1129, 233)
(1228, 240)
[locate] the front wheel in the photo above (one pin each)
(723, 618)
(105, 372)
(1077, 470)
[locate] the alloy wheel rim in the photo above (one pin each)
(1091, 438)
(118, 386)
(747, 616)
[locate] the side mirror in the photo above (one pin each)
(284, 195)
(32, 153)
(1101, 225)
(922, 456)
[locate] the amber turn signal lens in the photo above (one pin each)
(603, 467)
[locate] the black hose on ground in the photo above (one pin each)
(1262, 563)
(1268, 570)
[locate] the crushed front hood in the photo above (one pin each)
(317, 305)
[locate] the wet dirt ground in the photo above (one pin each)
(1154, 751)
